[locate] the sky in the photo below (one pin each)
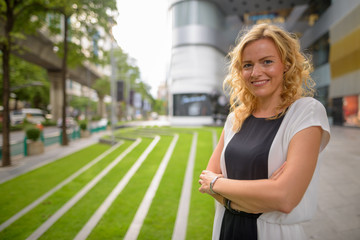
(142, 32)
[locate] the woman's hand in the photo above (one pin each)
(205, 179)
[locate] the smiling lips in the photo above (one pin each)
(259, 83)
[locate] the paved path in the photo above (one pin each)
(22, 164)
(338, 215)
(184, 206)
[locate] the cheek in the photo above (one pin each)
(276, 71)
(246, 74)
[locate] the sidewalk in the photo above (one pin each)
(338, 214)
(22, 165)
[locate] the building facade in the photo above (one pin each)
(203, 32)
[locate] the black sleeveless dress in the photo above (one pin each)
(246, 158)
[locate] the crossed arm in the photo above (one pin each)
(282, 192)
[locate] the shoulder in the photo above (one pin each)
(307, 101)
(306, 112)
(307, 105)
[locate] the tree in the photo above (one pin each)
(23, 77)
(13, 13)
(89, 17)
(102, 88)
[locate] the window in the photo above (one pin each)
(192, 105)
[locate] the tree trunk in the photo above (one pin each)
(6, 49)
(101, 106)
(64, 73)
(6, 159)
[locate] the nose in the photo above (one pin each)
(256, 71)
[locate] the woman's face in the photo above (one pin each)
(263, 69)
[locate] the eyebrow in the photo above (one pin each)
(270, 56)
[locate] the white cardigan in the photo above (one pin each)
(303, 113)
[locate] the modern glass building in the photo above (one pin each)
(203, 32)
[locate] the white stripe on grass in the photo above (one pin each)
(57, 187)
(142, 211)
(46, 225)
(95, 218)
(179, 232)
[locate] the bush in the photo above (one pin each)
(83, 125)
(48, 122)
(33, 133)
(96, 118)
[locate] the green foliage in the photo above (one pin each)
(79, 102)
(48, 122)
(160, 106)
(102, 87)
(87, 17)
(96, 118)
(83, 125)
(22, 75)
(12, 127)
(82, 104)
(33, 133)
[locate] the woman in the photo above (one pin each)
(264, 170)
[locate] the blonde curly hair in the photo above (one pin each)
(297, 81)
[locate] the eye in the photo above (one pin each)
(267, 62)
(247, 65)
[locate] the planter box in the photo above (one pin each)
(35, 148)
(84, 133)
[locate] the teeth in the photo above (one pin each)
(259, 83)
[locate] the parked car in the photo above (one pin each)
(33, 115)
(70, 122)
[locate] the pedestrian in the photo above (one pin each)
(264, 171)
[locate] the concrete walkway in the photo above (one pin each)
(179, 232)
(338, 215)
(21, 164)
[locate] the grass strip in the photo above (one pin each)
(118, 218)
(202, 206)
(17, 193)
(23, 227)
(79, 214)
(159, 222)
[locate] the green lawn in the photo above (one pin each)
(159, 222)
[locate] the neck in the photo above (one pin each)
(267, 108)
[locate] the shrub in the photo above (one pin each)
(83, 125)
(96, 118)
(48, 122)
(33, 133)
